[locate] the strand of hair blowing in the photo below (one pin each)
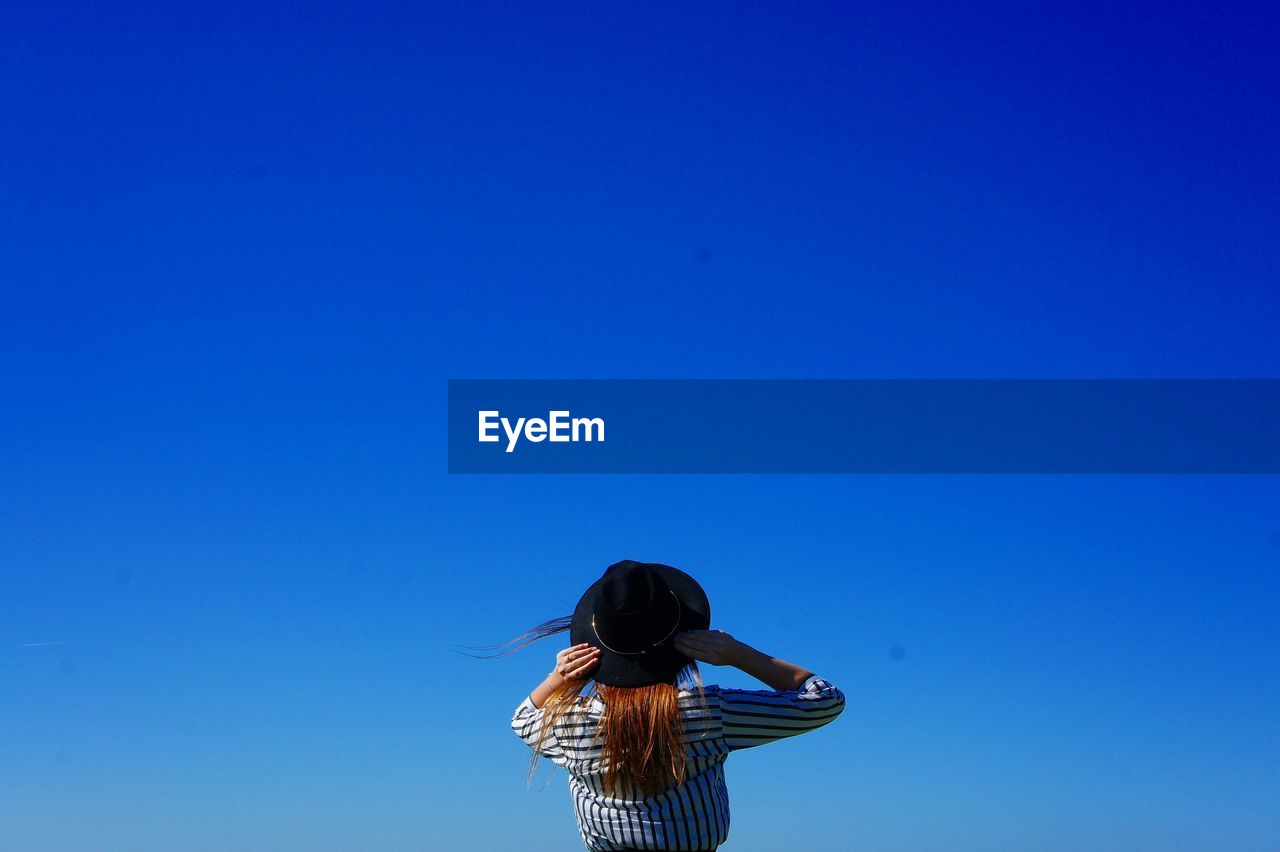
(642, 739)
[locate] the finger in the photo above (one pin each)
(579, 671)
(582, 654)
(695, 644)
(585, 666)
(692, 650)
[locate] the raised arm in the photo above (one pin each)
(530, 717)
(800, 701)
(720, 649)
(572, 663)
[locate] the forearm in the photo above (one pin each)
(777, 674)
(544, 690)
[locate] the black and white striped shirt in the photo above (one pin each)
(695, 814)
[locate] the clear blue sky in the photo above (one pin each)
(243, 249)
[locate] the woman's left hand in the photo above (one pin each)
(576, 662)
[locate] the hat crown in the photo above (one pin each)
(630, 589)
(635, 609)
(632, 614)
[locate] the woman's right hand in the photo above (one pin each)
(709, 646)
(720, 649)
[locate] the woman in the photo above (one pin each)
(645, 749)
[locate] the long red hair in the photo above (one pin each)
(641, 733)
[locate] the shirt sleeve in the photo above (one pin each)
(755, 717)
(527, 722)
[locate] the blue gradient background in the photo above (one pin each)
(243, 248)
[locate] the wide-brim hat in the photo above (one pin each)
(632, 614)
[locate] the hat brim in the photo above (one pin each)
(660, 664)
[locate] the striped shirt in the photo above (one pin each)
(693, 815)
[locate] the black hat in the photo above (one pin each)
(632, 614)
